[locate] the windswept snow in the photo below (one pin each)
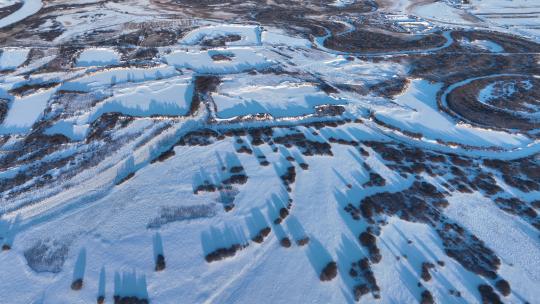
(98, 57)
(69, 129)
(219, 152)
(518, 16)
(4, 3)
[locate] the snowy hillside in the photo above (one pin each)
(156, 151)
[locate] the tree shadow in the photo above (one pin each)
(202, 178)
(348, 253)
(157, 245)
(295, 228)
(102, 283)
(80, 265)
(318, 256)
(255, 222)
(129, 284)
(222, 238)
(8, 231)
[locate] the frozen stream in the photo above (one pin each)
(29, 8)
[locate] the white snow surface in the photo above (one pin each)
(98, 226)
(417, 112)
(485, 45)
(521, 17)
(24, 111)
(98, 57)
(249, 34)
(440, 11)
(111, 77)
(279, 37)
(201, 61)
(169, 97)
(502, 233)
(279, 99)
(4, 3)
(11, 58)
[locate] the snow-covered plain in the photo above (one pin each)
(279, 99)
(241, 59)
(418, 113)
(11, 58)
(249, 35)
(25, 111)
(98, 57)
(159, 140)
(518, 16)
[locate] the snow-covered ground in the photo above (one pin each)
(502, 233)
(278, 37)
(98, 57)
(518, 16)
(239, 59)
(417, 112)
(111, 77)
(25, 111)
(279, 99)
(249, 34)
(484, 45)
(11, 58)
(4, 3)
(142, 139)
(441, 12)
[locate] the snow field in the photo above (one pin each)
(280, 100)
(11, 58)
(418, 113)
(241, 59)
(98, 57)
(249, 34)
